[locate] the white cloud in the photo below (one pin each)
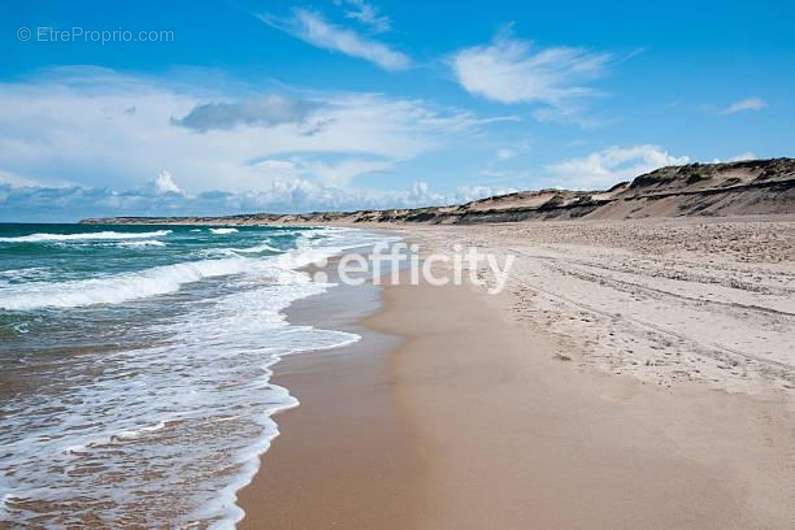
(473, 193)
(73, 127)
(745, 105)
(748, 155)
(164, 183)
(367, 14)
(510, 70)
(604, 168)
(287, 195)
(312, 28)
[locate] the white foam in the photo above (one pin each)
(160, 280)
(25, 274)
(120, 288)
(140, 244)
(223, 230)
(135, 433)
(263, 247)
(237, 251)
(36, 238)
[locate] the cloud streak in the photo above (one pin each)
(313, 29)
(744, 105)
(366, 14)
(510, 70)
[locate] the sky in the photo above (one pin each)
(206, 108)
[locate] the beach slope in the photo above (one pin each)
(485, 417)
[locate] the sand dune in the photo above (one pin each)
(738, 188)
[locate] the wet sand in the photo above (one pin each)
(345, 457)
(475, 419)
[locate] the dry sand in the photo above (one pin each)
(665, 300)
(477, 420)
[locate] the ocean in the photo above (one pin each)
(135, 366)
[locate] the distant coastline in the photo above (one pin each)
(754, 187)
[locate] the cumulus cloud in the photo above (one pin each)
(748, 104)
(312, 28)
(267, 111)
(604, 168)
(284, 195)
(367, 14)
(748, 155)
(510, 70)
(164, 183)
(481, 191)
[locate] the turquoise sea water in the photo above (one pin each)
(135, 366)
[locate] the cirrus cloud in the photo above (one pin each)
(748, 104)
(510, 70)
(313, 29)
(367, 14)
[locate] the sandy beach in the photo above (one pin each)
(526, 409)
(397, 265)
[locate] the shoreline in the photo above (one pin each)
(470, 420)
(345, 410)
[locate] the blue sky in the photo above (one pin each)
(289, 106)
